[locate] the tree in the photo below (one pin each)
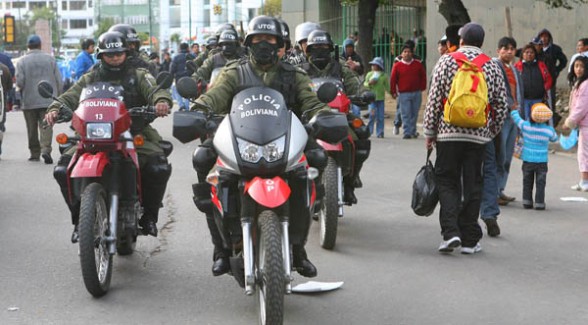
(103, 26)
(272, 8)
(51, 16)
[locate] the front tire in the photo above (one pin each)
(270, 269)
(329, 213)
(95, 259)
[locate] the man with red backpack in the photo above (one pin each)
(460, 143)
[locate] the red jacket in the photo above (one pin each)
(547, 80)
(408, 77)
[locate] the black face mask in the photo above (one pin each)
(264, 52)
(320, 57)
(229, 49)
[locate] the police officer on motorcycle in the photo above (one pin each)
(230, 50)
(264, 39)
(321, 63)
(298, 56)
(136, 58)
(138, 84)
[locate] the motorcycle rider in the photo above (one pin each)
(211, 44)
(138, 84)
(302, 31)
(264, 39)
(230, 50)
(321, 63)
(136, 58)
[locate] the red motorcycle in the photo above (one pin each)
(341, 162)
(104, 176)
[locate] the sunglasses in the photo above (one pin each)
(111, 55)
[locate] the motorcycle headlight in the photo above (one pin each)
(99, 131)
(271, 152)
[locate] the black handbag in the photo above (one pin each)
(425, 195)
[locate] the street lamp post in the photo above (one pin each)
(189, 21)
(150, 27)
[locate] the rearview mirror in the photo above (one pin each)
(187, 87)
(327, 92)
(45, 89)
(164, 80)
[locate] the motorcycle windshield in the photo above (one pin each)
(259, 115)
(260, 123)
(102, 90)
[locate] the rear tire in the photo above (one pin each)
(270, 269)
(95, 260)
(329, 213)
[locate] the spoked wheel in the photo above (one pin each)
(94, 257)
(270, 269)
(329, 213)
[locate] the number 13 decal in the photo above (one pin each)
(99, 117)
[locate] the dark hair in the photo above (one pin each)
(584, 41)
(34, 46)
(153, 56)
(442, 42)
(506, 41)
(195, 44)
(406, 46)
(183, 46)
(572, 79)
(529, 46)
(409, 43)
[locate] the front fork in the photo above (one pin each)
(340, 190)
(248, 257)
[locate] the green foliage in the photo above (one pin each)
(567, 4)
(175, 38)
(272, 8)
(355, 2)
(103, 26)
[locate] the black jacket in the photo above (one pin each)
(553, 57)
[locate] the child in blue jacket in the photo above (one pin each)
(536, 136)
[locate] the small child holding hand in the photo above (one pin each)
(536, 136)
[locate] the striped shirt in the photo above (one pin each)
(536, 137)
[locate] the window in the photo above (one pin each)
(77, 5)
(18, 4)
(64, 24)
(90, 22)
(206, 19)
(78, 24)
(37, 4)
(90, 5)
(63, 5)
(175, 2)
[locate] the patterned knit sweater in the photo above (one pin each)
(443, 74)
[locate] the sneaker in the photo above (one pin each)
(492, 227)
(579, 187)
(396, 130)
(447, 246)
(539, 206)
(471, 250)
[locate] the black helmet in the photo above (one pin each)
(111, 42)
(304, 29)
(87, 42)
(220, 29)
(317, 37)
(285, 32)
(264, 25)
(210, 42)
(228, 36)
(128, 31)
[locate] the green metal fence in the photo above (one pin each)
(394, 25)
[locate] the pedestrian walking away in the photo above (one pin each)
(460, 150)
(35, 66)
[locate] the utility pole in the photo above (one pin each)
(150, 27)
(190, 22)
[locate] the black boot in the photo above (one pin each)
(302, 263)
(349, 194)
(148, 226)
(221, 263)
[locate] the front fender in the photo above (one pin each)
(270, 193)
(89, 165)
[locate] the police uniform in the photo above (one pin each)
(218, 60)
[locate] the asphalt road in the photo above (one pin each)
(536, 272)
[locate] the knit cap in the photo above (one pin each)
(540, 113)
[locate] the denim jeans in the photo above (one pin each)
(508, 135)
(410, 103)
(355, 110)
(537, 173)
(182, 102)
(398, 116)
(458, 168)
(489, 206)
(376, 113)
